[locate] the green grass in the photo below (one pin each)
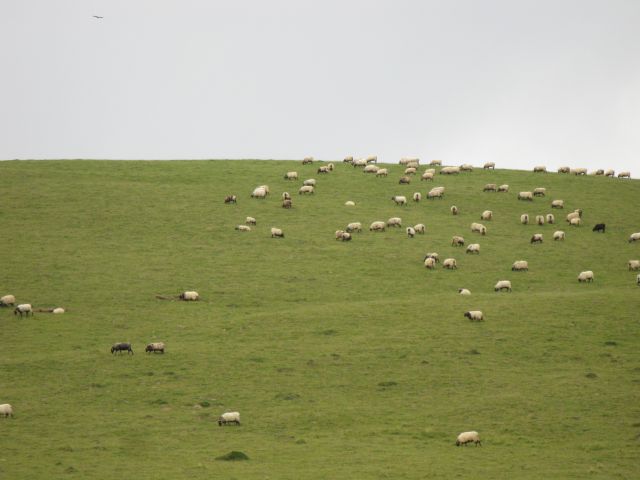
(345, 359)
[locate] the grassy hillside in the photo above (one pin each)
(345, 359)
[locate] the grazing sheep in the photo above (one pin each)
(394, 222)
(410, 171)
(430, 170)
(624, 175)
(474, 315)
(291, 176)
(430, 263)
(243, 228)
(286, 196)
(540, 219)
(598, 172)
(564, 170)
(331, 167)
(411, 232)
(539, 192)
(426, 176)
(276, 232)
(437, 192)
(287, 203)
(550, 218)
(359, 162)
(121, 347)
(229, 417)
(370, 169)
(503, 188)
(454, 210)
(578, 171)
(407, 160)
(250, 221)
(339, 234)
(539, 168)
(382, 172)
(489, 165)
(479, 228)
(473, 248)
(450, 264)
(600, 227)
(457, 241)
(310, 182)
(433, 255)
(190, 296)
(377, 226)
(400, 200)
(230, 199)
(486, 215)
(348, 159)
(23, 309)
(354, 227)
(404, 180)
(266, 188)
(420, 228)
(574, 214)
(58, 311)
(525, 196)
(417, 196)
(520, 266)
(634, 264)
(503, 285)
(306, 189)
(490, 187)
(450, 171)
(7, 300)
(465, 167)
(557, 204)
(371, 159)
(6, 410)
(436, 163)
(464, 291)
(468, 437)
(609, 173)
(575, 222)
(306, 160)
(586, 276)
(559, 235)
(155, 347)
(524, 219)
(323, 169)
(259, 192)
(634, 237)
(536, 238)
(350, 203)
(345, 237)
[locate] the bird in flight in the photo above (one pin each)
(96, 16)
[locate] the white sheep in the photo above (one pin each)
(155, 347)
(609, 173)
(229, 417)
(349, 203)
(540, 219)
(454, 210)
(525, 196)
(586, 276)
(524, 219)
(306, 160)
(400, 200)
(370, 169)
(550, 218)
(557, 204)
(359, 162)
(474, 315)
(473, 248)
(348, 159)
(490, 187)
(331, 167)
(291, 176)
(259, 192)
(575, 222)
(466, 167)
(189, 296)
(574, 214)
(436, 163)
(536, 238)
(426, 176)
(624, 175)
(410, 171)
(450, 171)
(286, 196)
(371, 159)
(250, 221)
(433, 255)
(464, 291)
(437, 192)
(377, 226)
(243, 228)
(58, 310)
(634, 237)
(468, 437)
(503, 188)
(276, 232)
(486, 215)
(578, 171)
(394, 222)
(323, 169)
(558, 235)
(457, 241)
(345, 237)
(539, 168)
(407, 160)
(306, 189)
(488, 165)
(430, 263)
(564, 169)
(23, 309)
(417, 196)
(382, 172)
(520, 266)
(430, 170)
(7, 300)
(6, 410)
(479, 228)
(539, 192)
(420, 228)
(354, 227)
(338, 234)
(634, 264)
(450, 264)
(309, 182)
(404, 180)
(503, 285)
(411, 232)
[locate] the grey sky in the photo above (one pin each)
(517, 82)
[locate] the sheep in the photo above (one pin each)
(597, 172)
(6, 410)
(417, 196)
(345, 237)
(430, 170)
(599, 227)
(454, 210)
(58, 311)
(338, 234)
(309, 182)
(250, 221)
(536, 238)
(525, 196)
(437, 192)
(464, 291)
(465, 167)
(189, 296)
(489, 165)
(7, 300)
(410, 171)
(450, 171)
(259, 192)
(450, 264)
(468, 437)
(407, 160)
(359, 162)
(574, 214)
(23, 309)
(306, 160)
(539, 192)
(557, 204)
(486, 215)
(609, 173)
(348, 159)
(558, 235)
(354, 227)
(624, 175)
(243, 228)
(503, 188)
(287, 203)
(564, 169)
(586, 276)
(474, 315)
(540, 219)
(331, 167)
(286, 196)
(377, 226)
(230, 199)
(229, 417)
(551, 219)
(430, 263)
(473, 248)
(371, 159)
(382, 172)
(323, 169)
(400, 200)
(291, 176)
(433, 255)
(426, 176)
(306, 189)
(276, 232)
(575, 222)
(394, 222)
(490, 187)
(121, 347)
(266, 188)
(411, 232)
(349, 203)
(638, 280)
(436, 163)
(370, 169)
(404, 180)
(524, 219)
(578, 171)
(479, 228)
(502, 285)
(520, 266)
(634, 237)
(539, 169)
(155, 347)
(420, 228)
(633, 265)
(457, 241)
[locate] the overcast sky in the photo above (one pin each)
(520, 83)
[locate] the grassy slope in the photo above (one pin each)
(300, 334)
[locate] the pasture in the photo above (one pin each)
(345, 359)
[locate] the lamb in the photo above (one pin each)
(400, 200)
(306, 189)
(536, 238)
(489, 165)
(377, 226)
(473, 248)
(426, 176)
(624, 175)
(539, 169)
(525, 196)
(287, 203)
(634, 237)
(503, 188)
(306, 160)
(634, 265)
(410, 171)
(430, 263)
(189, 296)
(420, 228)
(465, 167)
(540, 219)
(486, 215)
(474, 315)
(23, 309)
(370, 169)
(450, 171)
(468, 437)
(310, 182)
(338, 234)
(323, 169)
(454, 210)
(490, 187)
(155, 347)
(551, 219)
(250, 221)
(354, 227)
(345, 237)
(503, 285)
(600, 227)
(121, 347)
(436, 163)
(6, 410)
(586, 276)
(394, 222)
(450, 264)
(479, 228)
(558, 235)
(557, 204)
(382, 172)
(259, 192)
(457, 241)
(7, 300)
(230, 199)
(229, 417)
(243, 228)
(349, 203)
(404, 180)
(276, 232)
(464, 291)
(417, 196)
(520, 266)
(411, 232)
(291, 176)
(524, 219)
(575, 222)
(539, 192)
